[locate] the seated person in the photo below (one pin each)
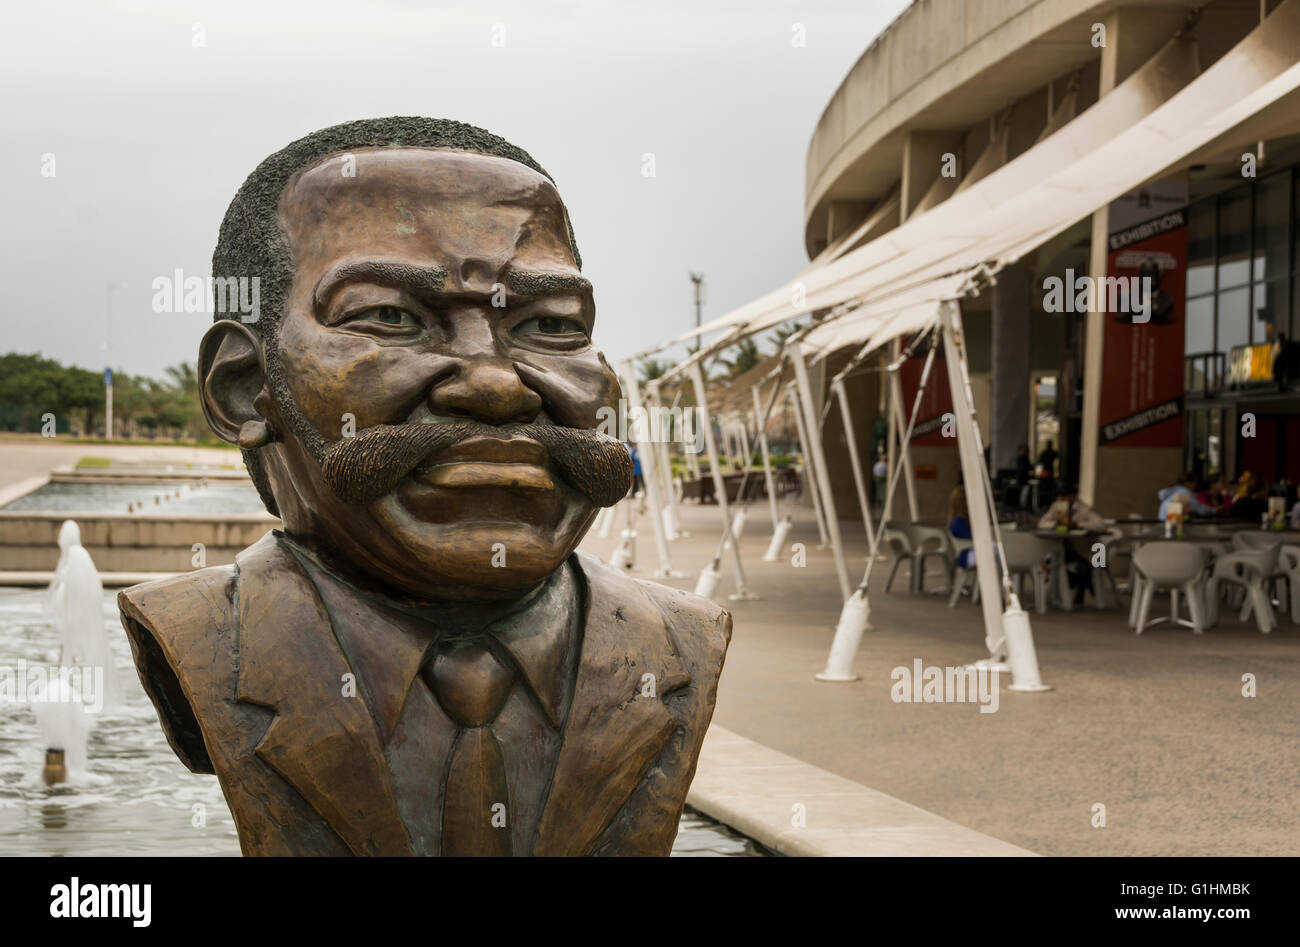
(1215, 495)
(1184, 490)
(959, 524)
(1072, 512)
(1252, 506)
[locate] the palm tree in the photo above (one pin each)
(784, 332)
(184, 377)
(746, 356)
(653, 368)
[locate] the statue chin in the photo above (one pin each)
(481, 553)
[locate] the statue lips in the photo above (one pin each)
(486, 461)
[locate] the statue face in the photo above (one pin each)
(437, 288)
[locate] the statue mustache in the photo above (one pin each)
(363, 468)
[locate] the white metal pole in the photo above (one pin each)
(813, 429)
(719, 487)
(728, 438)
(854, 460)
(973, 474)
(855, 617)
(909, 477)
(665, 458)
(810, 478)
(1007, 632)
(649, 467)
(761, 421)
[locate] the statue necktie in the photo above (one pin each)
(472, 686)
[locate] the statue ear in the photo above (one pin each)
(231, 376)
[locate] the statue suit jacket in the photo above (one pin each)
(248, 690)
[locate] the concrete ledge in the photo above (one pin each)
(753, 789)
(111, 580)
(20, 489)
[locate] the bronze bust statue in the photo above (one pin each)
(420, 663)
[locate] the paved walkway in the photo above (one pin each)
(1154, 728)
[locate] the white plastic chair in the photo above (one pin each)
(1026, 556)
(1252, 569)
(928, 541)
(898, 541)
(963, 579)
(1176, 566)
(1289, 563)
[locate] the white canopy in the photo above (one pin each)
(1148, 124)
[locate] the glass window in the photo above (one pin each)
(1200, 325)
(1234, 319)
(1272, 227)
(1200, 249)
(1272, 305)
(1234, 238)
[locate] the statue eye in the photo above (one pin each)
(393, 316)
(553, 329)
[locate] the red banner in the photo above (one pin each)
(1141, 397)
(935, 402)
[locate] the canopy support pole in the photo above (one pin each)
(1007, 630)
(665, 434)
(855, 617)
(649, 466)
(858, 481)
(719, 487)
(811, 478)
(909, 475)
(813, 430)
(760, 419)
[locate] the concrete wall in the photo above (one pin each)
(1129, 478)
(942, 65)
(29, 542)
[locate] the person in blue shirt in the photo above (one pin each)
(638, 482)
(959, 524)
(1185, 489)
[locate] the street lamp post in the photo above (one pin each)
(698, 280)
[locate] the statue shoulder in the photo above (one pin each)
(176, 627)
(184, 633)
(702, 628)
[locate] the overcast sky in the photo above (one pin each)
(151, 136)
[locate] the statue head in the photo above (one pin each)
(418, 395)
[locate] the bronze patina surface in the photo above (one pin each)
(420, 663)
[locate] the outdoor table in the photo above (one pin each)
(1062, 576)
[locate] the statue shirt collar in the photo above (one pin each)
(386, 642)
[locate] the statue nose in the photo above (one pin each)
(487, 390)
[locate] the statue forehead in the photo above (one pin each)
(435, 172)
(367, 181)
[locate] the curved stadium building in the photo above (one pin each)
(1031, 157)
